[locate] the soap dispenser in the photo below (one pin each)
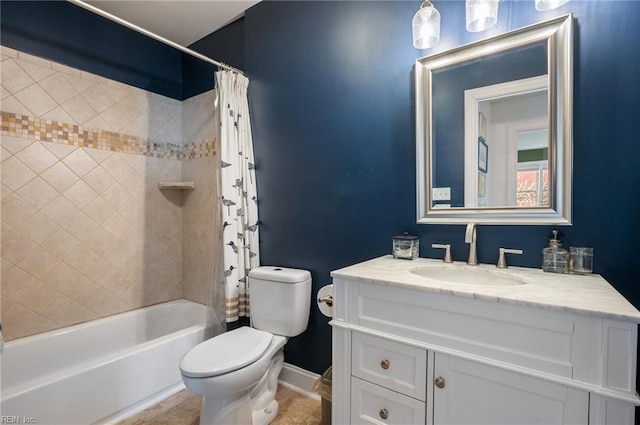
(555, 257)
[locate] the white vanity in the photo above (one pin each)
(423, 342)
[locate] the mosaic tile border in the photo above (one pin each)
(199, 150)
(26, 127)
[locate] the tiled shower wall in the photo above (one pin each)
(86, 232)
(198, 208)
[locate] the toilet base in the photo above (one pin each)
(266, 415)
(263, 402)
(256, 406)
(226, 410)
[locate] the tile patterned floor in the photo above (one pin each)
(184, 409)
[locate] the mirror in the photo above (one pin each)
(494, 129)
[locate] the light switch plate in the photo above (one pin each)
(441, 194)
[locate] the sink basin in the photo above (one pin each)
(468, 276)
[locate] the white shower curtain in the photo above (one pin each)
(239, 196)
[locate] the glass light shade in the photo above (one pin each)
(544, 5)
(481, 14)
(426, 26)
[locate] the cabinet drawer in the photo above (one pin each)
(396, 366)
(371, 404)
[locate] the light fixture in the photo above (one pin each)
(544, 5)
(426, 26)
(481, 14)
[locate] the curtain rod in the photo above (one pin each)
(134, 27)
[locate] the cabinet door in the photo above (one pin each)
(466, 392)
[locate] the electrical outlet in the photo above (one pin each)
(441, 194)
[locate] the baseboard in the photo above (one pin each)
(298, 380)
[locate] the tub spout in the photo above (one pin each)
(470, 238)
(1, 340)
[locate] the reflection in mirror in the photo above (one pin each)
(494, 129)
(497, 118)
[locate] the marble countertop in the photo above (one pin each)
(588, 294)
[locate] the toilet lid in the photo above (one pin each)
(225, 353)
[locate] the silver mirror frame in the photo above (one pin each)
(558, 33)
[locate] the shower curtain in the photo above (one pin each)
(216, 306)
(238, 199)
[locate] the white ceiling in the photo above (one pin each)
(181, 21)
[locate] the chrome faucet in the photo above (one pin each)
(470, 238)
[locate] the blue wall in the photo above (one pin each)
(333, 120)
(68, 34)
(225, 45)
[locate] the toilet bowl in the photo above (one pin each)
(237, 372)
(237, 369)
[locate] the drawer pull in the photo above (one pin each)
(385, 364)
(439, 382)
(384, 414)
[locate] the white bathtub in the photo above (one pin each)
(100, 371)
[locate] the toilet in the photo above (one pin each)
(237, 372)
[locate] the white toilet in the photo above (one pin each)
(237, 372)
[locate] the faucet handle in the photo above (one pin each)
(502, 262)
(447, 252)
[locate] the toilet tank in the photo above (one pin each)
(280, 299)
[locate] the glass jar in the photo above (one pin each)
(406, 247)
(580, 260)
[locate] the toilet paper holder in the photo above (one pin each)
(324, 298)
(328, 299)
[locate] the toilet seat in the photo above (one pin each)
(225, 353)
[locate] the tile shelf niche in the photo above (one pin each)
(188, 185)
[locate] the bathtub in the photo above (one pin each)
(101, 371)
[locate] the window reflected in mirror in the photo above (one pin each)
(532, 181)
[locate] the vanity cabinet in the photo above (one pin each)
(412, 351)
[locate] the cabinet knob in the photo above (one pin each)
(439, 382)
(384, 414)
(385, 364)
